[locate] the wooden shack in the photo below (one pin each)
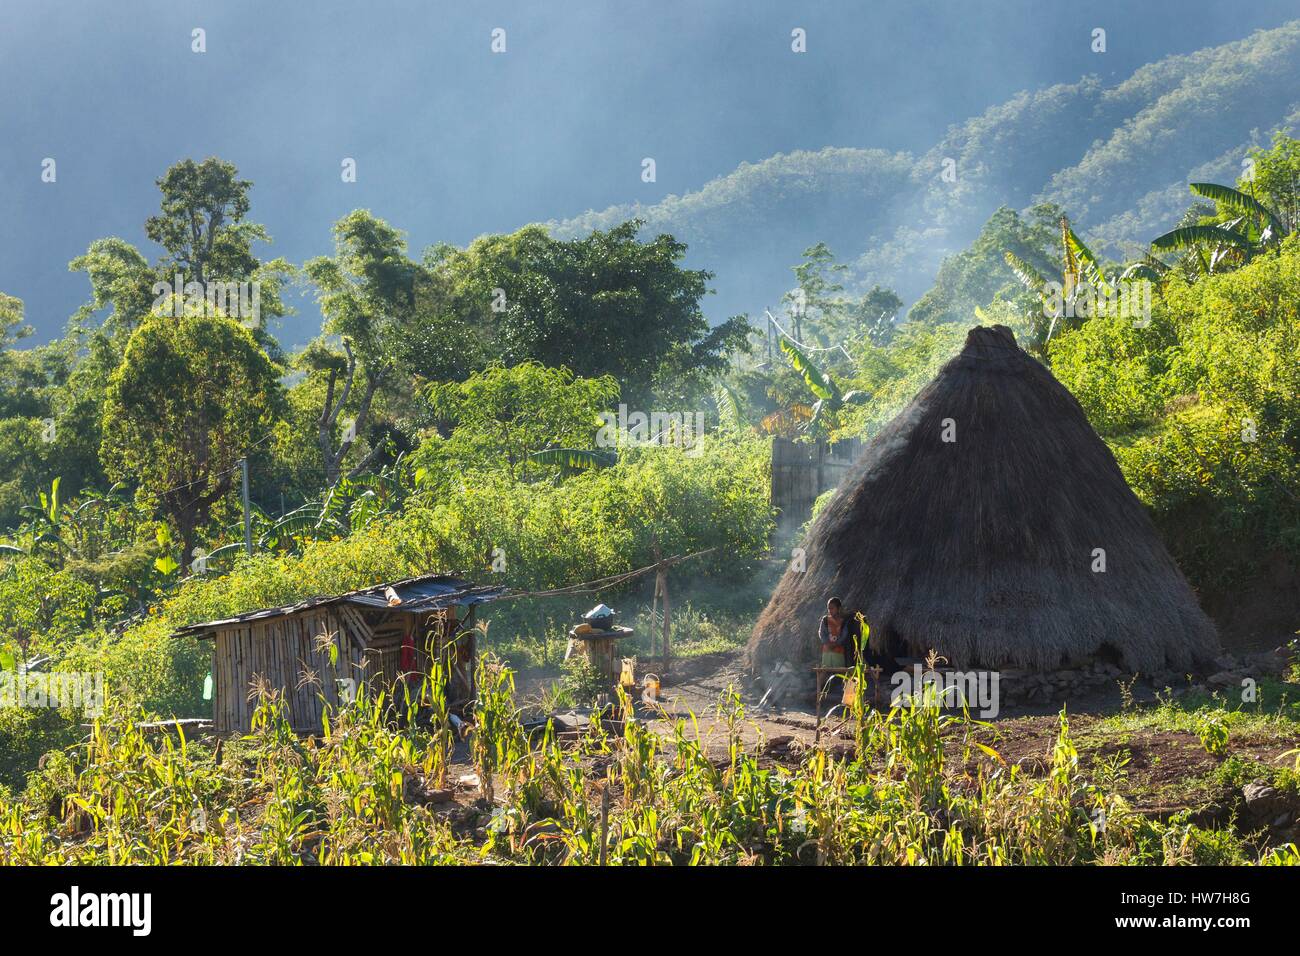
(290, 648)
(801, 472)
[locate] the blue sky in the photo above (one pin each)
(452, 141)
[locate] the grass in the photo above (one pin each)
(1275, 713)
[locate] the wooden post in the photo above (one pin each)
(654, 609)
(248, 515)
(668, 616)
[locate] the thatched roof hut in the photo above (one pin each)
(976, 523)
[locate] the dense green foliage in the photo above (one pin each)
(1203, 410)
(191, 396)
(601, 305)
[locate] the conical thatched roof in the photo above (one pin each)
(984, 548)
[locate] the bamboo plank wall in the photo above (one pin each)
(288, 654)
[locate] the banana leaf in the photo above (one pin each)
(1241, 202)
(818, 381)
(1190, 237)
(1087, 263)
(729, 408)
(1029, 277)
(227, 551)
(580, 458)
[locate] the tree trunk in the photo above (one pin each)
(333, 458)
(187, 526)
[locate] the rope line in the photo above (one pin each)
(602, 584)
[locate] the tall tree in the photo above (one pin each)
(202, 223)
(814, 300)
(206, 238)
(121, 280)
(605, 304)
(367, 292)
(191, 397)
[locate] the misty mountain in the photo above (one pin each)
(1116, 156)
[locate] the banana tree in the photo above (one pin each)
(830, 400)
(42, 532)
(88, 526)
(1226, 245)
(98, 523)
(1083, 288)
(1082, 280)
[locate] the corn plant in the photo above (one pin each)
(497, 739)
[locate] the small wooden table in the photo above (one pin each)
(600, 647)
(823, 675)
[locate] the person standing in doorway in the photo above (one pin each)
(835, 634)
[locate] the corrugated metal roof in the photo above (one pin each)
(427, 592)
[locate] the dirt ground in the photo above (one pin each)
(695, 685)
(1167, 770)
